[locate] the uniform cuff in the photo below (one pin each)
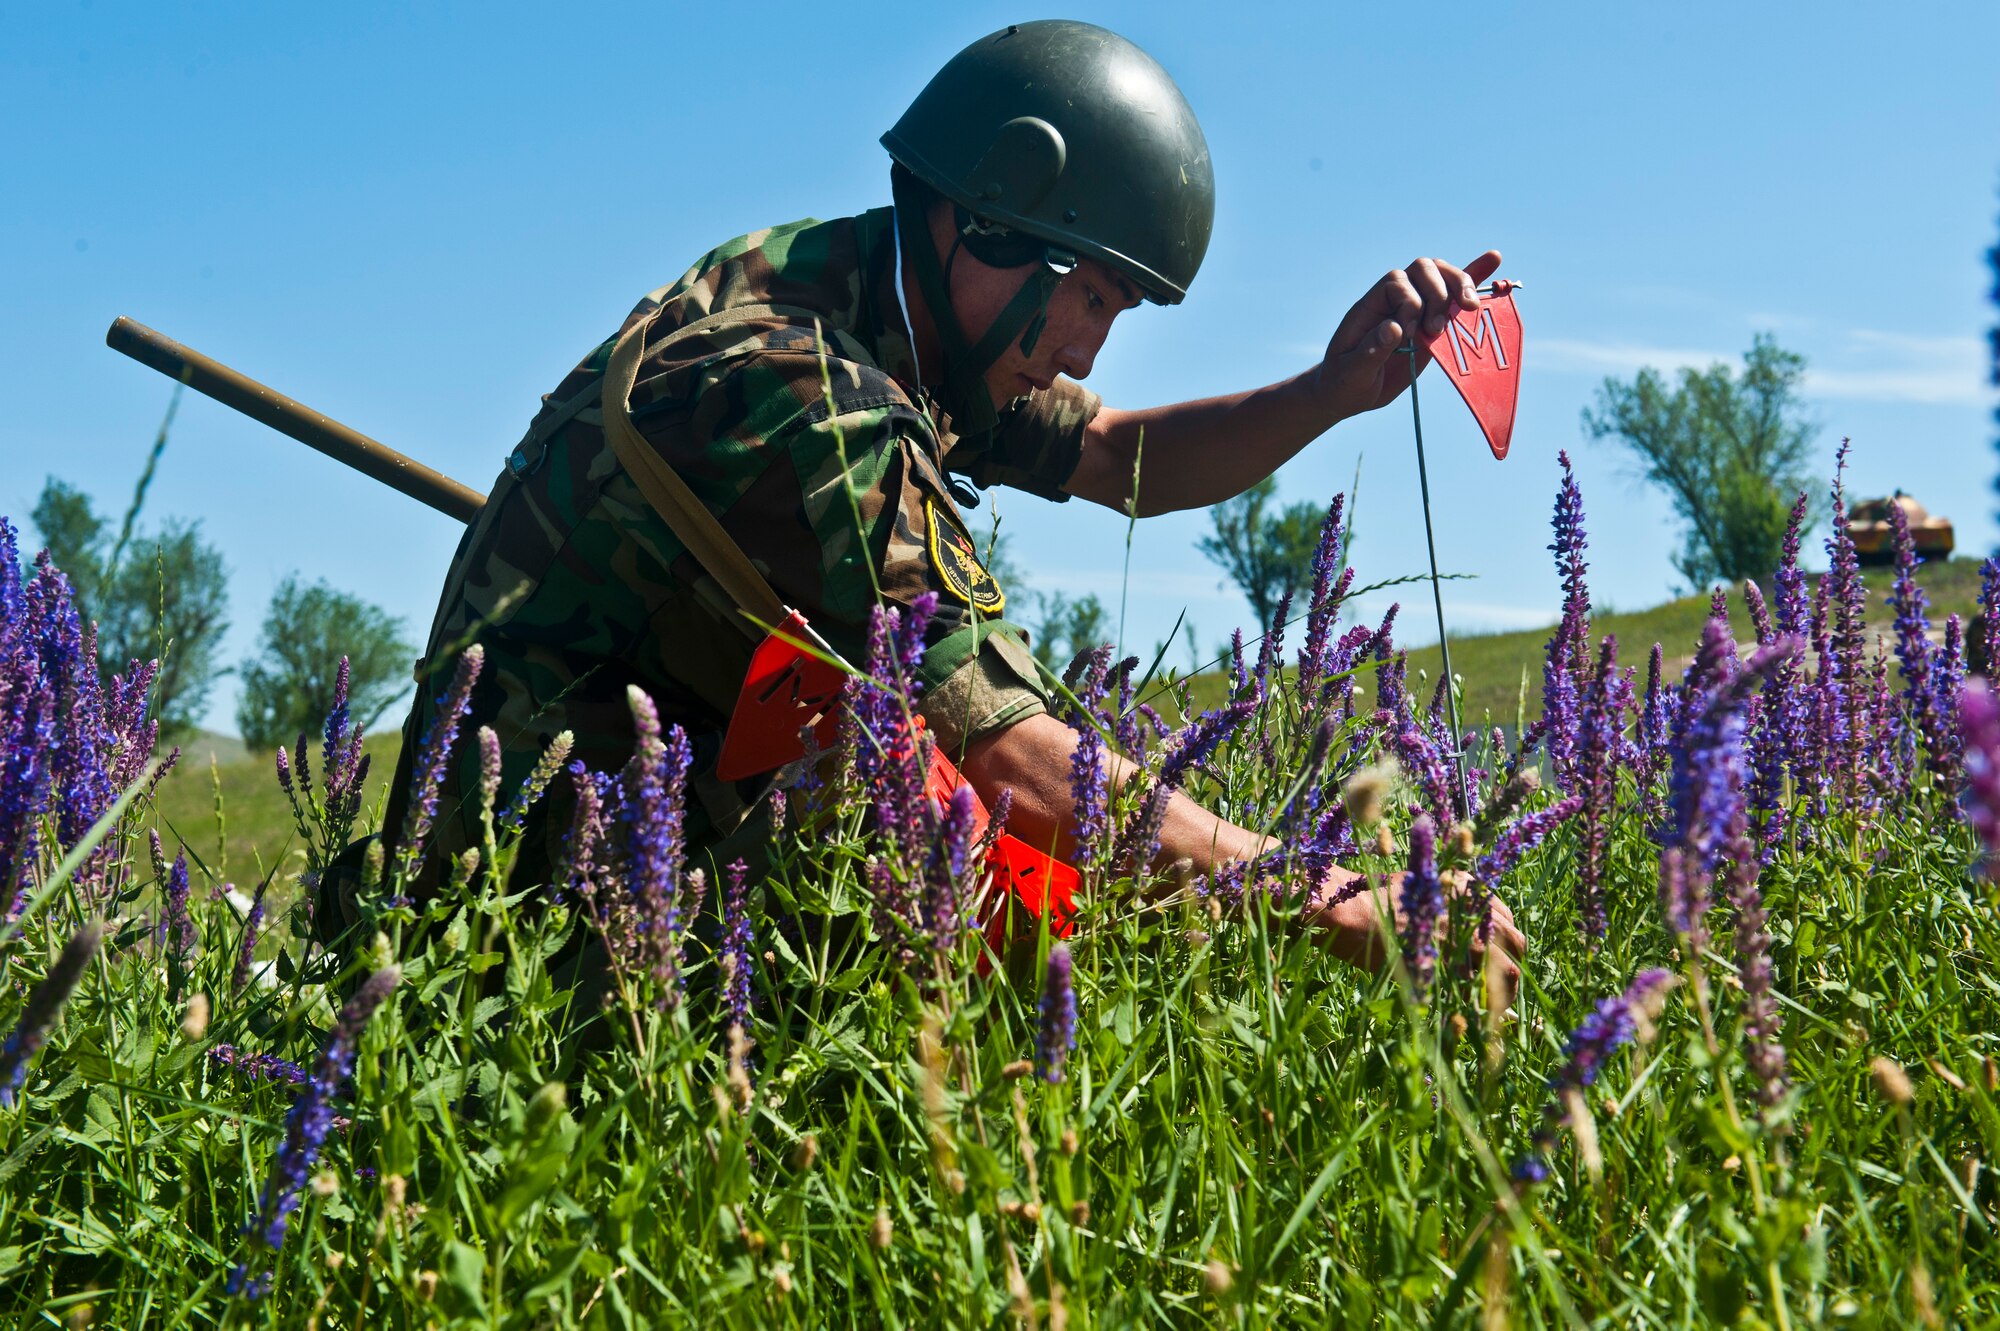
(970, 694)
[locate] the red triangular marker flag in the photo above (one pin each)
(785, 690)
(943, 779)
(1034, 880)
(1481, 354)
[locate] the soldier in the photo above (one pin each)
(1050, 177)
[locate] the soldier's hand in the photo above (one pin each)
(1361, 929)
(1362, 369)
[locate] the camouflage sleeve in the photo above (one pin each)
(1037, 444)
(848, 503)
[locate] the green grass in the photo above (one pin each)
(250, 832)
(1250, 1133)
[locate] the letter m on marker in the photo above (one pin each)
(1477, 341)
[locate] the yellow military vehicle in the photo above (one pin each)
(1875, 540)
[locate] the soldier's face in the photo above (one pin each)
(1080, 315)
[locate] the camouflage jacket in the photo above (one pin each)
(825, 470)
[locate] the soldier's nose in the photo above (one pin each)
(1076, 361)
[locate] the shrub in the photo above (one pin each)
(288, 687)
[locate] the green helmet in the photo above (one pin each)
(1055, 141)
(1068, 133)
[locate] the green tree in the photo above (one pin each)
(1731, 451)
(1266, 551)
(154, 596)
(288, 687)
(1065, 627)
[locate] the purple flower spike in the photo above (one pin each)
(944, 873)
(336, 757)
(890, 761)
(1913, 647)
(1423, 906)
(258, 1067)
(737, 942)
(433, 753)
(1656, 723)
(654, 817)
(584, 848)
(246, 953)
(1612, 1024)
(1057, 1033)
(1684, 898)
(1273, 646)
(489, 768)
(1842, 676)
(1707, 787)
(1565, 658)
(1947, 679)
(311, 1118)
(176, 930)
(27, 724)
(544, 771)
(1139, 839)
(1329, 589)
(1087, 677)
(1979, 729)
(1760, 613)
(1089, 788)
(1521, 837)
(1765, 1053)
(1793, 613)
(1988, 646)
(1600, 734)
(42, 1008)
(68, 743)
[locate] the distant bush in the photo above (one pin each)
(1267, 552)
(1066, 627)
(1730, 451)
(154, 596)
(288, 687)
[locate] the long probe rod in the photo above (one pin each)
(1437, 590)
(371, 457)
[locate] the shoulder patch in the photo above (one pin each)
(955, 560)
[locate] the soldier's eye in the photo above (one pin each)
(1092, 300)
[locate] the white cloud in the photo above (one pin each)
(1906, 367)
(1928, 387)
(1566, 354)
(1874, 366)
(1499, 618)
(1957, 349)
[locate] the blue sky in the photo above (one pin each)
(416, 218)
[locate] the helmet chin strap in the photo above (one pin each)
(965, 394)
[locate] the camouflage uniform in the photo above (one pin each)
(577, 588)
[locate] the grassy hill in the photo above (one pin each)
(1492, 664)
(224, 801)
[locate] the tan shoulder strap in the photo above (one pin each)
(685, 515)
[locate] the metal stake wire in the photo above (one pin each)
(1437, 592)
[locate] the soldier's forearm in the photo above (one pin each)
(1198, 453)
(1032, 758)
